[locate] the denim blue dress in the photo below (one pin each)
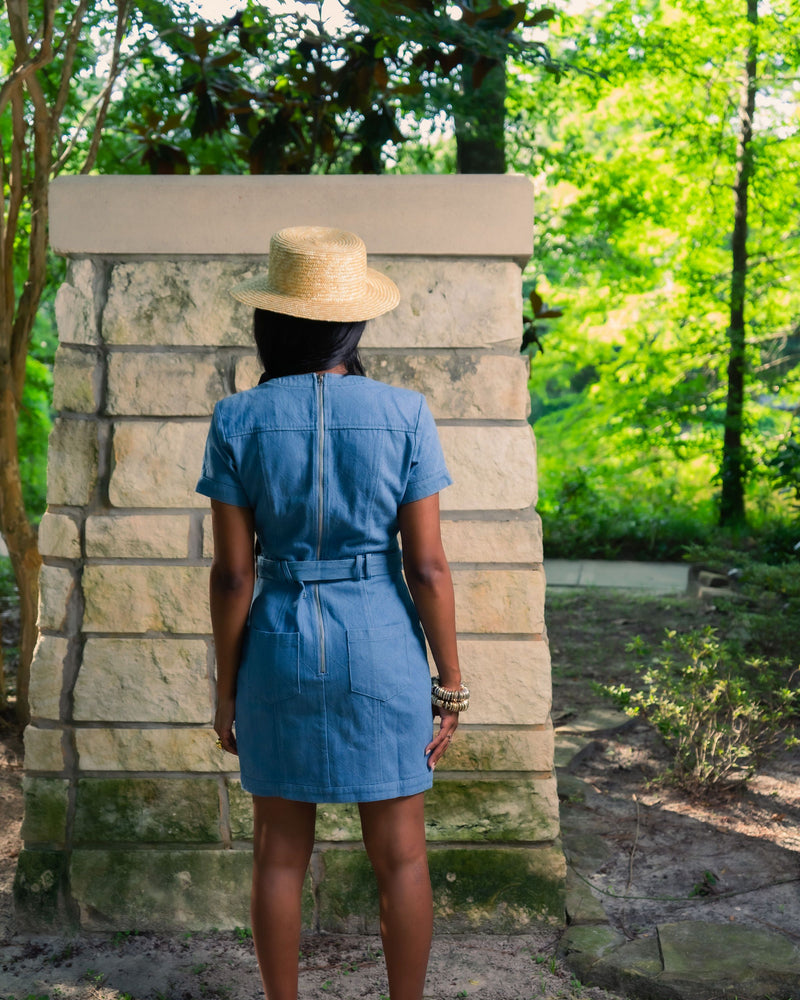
(333, 689)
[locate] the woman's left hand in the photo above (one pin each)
(441, 741)
(223, 724)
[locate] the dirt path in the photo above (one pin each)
(652, 854)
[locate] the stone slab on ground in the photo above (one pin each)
(656, 578)
(689, 960)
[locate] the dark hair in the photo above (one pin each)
(289, 345)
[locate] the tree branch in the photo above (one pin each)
(113, 74)
(73, 37)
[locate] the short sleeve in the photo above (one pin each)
(428, 473)
(220, 476)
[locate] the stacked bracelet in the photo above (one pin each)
(453, 701)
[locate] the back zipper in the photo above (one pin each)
(320, 508)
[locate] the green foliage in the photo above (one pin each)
(634, 159)
(717, 709)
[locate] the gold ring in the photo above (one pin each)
(218, 744)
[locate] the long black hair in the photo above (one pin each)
(289, 345)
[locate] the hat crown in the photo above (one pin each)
(316, 263)
(319, 273)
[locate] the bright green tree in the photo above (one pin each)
(673, 375)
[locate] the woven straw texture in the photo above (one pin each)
(319, 273)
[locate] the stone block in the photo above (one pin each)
(143, 680)
(449, 303)
(208, 538)
(161, 890)
(496, 890)
(240, 811)
(45, 819)
(147, 810)
(43, 749)
(175, 750)
(248, 372)
(509, 680)
(167, 384)
(183, 302)
(74, 380)
(72, 462)
(458, 385)
(47, 676)
(499, 600)
(157, 463)
(338, 821)
(59, 537)
(138, 536)
(509, 748)
(347, 894)
(493, 541)
(581, 904)
(56, 586)
(74, 305)
(493, 468)
(146, 598)
(39, 891)
(489, 809)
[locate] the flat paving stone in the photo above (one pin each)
(655, 578)
(595, 720)
(705, 950)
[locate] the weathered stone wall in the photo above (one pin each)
(133, 817)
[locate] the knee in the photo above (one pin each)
(400, 859)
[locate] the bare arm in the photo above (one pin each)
(431, 586)
(231, 586)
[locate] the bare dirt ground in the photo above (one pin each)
(733, 856)
(653, 854)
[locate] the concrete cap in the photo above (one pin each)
(421, 215)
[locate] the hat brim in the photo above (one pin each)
(379, 295)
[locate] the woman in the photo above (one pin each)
(320, 656)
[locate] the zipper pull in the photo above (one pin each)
(320, 377)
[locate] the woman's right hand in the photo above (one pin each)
(448, 723)
(223, 724)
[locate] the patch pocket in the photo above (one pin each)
(273, 664)
(379, 666)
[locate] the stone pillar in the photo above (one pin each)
(133, 818)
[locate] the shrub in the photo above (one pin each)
(718, 710)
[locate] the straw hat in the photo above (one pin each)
(319, 273)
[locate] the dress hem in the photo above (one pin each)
(363, 793)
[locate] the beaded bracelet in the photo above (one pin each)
(453, 701)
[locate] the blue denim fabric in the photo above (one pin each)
(333, 691)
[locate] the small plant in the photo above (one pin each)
(718, 710)
(93, 976)
(327, 985)
(118, 938)
(242, 934)
(705, 886)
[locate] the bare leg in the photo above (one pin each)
(394, 835)
(283, 839)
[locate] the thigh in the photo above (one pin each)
(283, 830)
(394, 829)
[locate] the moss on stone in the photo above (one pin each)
(129, 810)
(347, 893)
(492, 810)
(240, 811)
(38, 889)
(45, 819)
(501, 891)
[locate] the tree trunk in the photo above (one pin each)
(732, 471)
(19, 535)
(480, 118)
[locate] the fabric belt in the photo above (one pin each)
(360, 567)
